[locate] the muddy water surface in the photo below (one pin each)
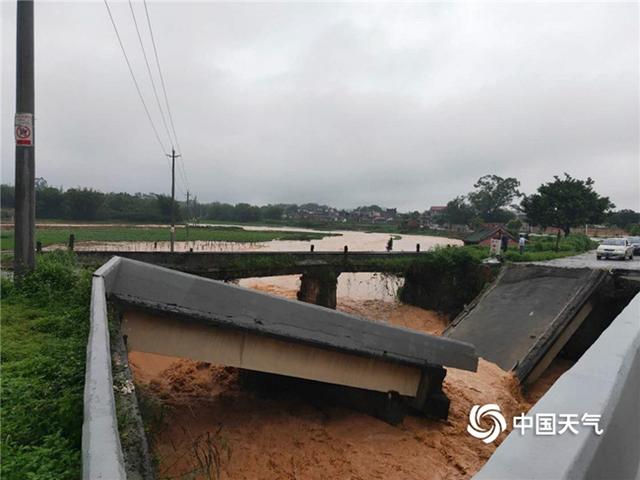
(283, 435)
(351, 286)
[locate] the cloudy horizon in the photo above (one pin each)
(400, 105)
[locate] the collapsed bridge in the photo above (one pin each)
(385, 370)
(533, 312)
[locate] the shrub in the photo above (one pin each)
(446, 279)
(44, 335)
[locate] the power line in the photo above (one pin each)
(153, 84)
(135, 82)
(164, 91)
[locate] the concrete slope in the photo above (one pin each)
(522, 321)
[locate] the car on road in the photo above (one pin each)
(615, 248)
(635, 243)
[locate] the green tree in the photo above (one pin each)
(514, 226)
(7, 196)
(82, 203)
(49, 202)
(459, 211)
(272, 212)
(247, 213)
(492, 195)
(623, 218)
(164, 205)
(565, 203)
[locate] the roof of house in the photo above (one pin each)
(480, 235)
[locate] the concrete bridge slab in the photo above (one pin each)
(527, 315)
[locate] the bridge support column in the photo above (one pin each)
(319, 287)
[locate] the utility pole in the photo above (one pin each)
(25, 194)
(173, 196)
(188, 215)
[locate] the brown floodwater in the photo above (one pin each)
(354, 286)
(286, 436)
(208, 408)
(356, 241)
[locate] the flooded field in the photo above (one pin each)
(355, 241)
(351, 286)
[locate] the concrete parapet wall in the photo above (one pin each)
(227, 265)
(101, 451)
(605, 381)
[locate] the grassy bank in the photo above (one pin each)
(44, 336)
(544, 248)
(540, 248)
(54, 235)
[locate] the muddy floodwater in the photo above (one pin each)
(355, 241)
(351, 286)
(215, 426)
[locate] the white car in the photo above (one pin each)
(635, 243)
(615, 248)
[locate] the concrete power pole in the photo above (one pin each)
(173, 197)
(25, 194)
(188, 216)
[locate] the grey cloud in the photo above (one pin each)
(398, 104)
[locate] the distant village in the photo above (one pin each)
(432, 218)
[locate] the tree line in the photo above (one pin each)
(92, 205)
(565, 203)
(88, 204)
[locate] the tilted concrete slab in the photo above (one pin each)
(228, 306)
(525, 317)
(172, 336)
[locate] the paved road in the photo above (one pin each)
(589, 260)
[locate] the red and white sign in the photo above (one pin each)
(24, 129)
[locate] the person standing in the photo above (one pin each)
(504, 240)
(521, 243)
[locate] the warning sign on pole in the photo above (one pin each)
(24, 129)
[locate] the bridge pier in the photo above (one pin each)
(319, 287)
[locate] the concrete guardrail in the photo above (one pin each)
(101, 450)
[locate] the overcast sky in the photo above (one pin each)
(401, 105)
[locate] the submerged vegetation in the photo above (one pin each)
(44, 336)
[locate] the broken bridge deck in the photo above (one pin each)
(172, 313)
(522, 321)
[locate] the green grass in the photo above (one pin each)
(50, 236)
(544, 248)
(44, 336)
